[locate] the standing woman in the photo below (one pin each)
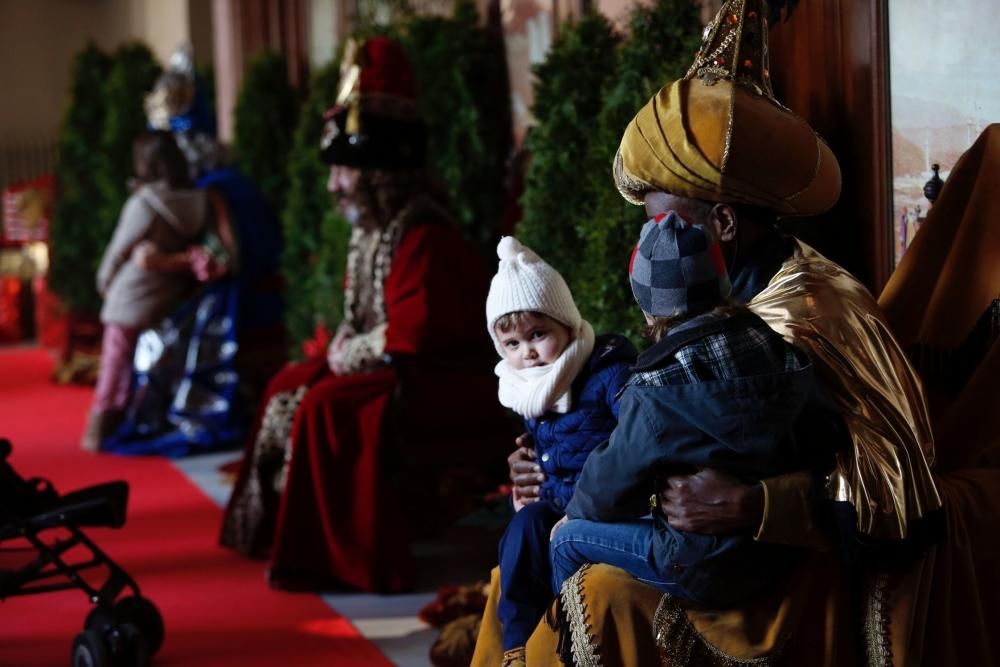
(165, 214)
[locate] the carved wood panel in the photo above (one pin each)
(829, 64)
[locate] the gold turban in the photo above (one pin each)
(719, 135)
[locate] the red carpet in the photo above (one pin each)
(217, 606)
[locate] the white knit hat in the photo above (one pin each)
(524, 282)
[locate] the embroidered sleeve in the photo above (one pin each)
(364, 351)
(789, 512)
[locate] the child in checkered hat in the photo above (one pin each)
(717, 388)
(565, 383)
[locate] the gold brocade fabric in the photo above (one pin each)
(243, 526)
(885, 474)
(716, 143)
(719, 134)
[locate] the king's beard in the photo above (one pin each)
(378, 197)
(359, 211)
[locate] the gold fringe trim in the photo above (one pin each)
(681, 645)
(631, 188)
(243, 524)
(583, 643)
(877, 633)
(276, 431)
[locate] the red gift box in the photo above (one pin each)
(10, 309)
(27, 210)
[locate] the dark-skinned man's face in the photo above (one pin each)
(713, 217)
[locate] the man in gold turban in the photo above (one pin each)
(719, 149)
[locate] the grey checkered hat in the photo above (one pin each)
(677, 268)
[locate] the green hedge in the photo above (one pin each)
(316, 236)
(463, 97)
(264, 121)
(133, 74)
(661, 44)
(588, 89)
(75, 238)
(557, 199)
(94, 187)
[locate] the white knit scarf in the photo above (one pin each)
(531, 392)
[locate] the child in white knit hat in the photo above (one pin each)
(565, 383)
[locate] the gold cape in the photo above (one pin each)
(885, 475)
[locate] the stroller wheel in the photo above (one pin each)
(129, 647)
(89, 650)
(99, 620)
(144, 615)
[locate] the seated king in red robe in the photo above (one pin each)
(313, 494)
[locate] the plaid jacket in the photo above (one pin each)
(718, 391)
(748, 348)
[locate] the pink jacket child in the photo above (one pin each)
(165, 215)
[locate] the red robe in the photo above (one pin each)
(339, 520)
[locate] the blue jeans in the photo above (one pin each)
(525, 572)
(629, 545)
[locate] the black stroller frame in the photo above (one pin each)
(118, 631)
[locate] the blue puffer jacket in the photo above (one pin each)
(562, 442)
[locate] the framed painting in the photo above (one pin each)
(944, 90)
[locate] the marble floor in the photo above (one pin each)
(388, 621)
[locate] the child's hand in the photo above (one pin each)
(559, 524)
(203, 264)
(515, 499)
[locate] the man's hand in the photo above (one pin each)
(712, 503)
(525, 473)
(335, 352)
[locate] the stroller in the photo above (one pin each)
(119, 631)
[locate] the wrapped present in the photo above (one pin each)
(11, 330)
(27, 210)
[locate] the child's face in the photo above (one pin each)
(534, 341)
